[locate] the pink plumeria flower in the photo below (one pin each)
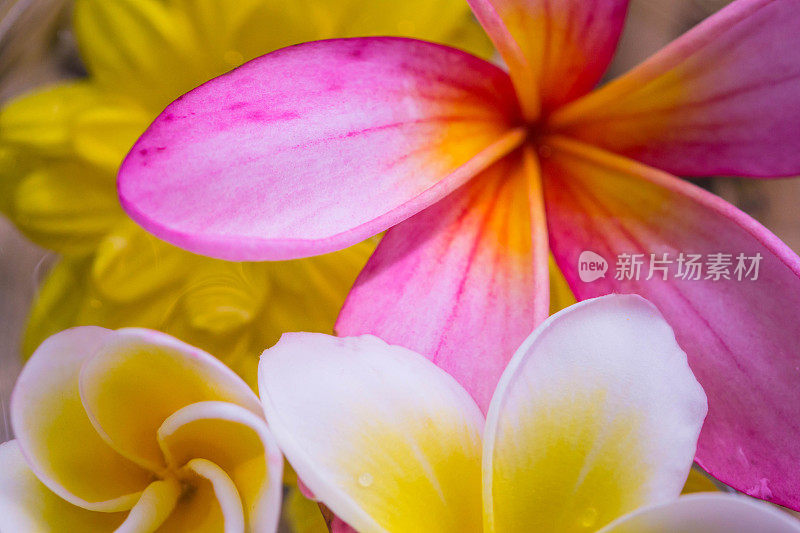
(135, 431)
(597, 416)
(477, 174)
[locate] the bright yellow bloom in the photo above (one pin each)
(133, 430)
(60, 149)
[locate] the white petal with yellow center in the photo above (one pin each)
(384, 438)
(597, 414)
(28, 506)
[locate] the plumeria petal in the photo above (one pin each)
(597, 414)
(140, 377)
(740, 334)
(239, 443)
(706, 513)
(212, 506)
(385, 439)
(153, 508)
(722, 99)
(27, 505)
(556, 51)
(465, 281)
(316, 147)
(46, 406)
(225, 492)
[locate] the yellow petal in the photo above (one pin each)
(14, 165)
(384, 438)
(561, 295)
(57, 303)
(307, 294)
(225, 492)
(222, 296)
(447, 21)
(239, 443)
(138, 48)
(301, 514)
(66, 207)
(140, 377)
(154, 506)
(130, 264)
(234, 347)
(209, 505)
(236, 33)
(42, 120)
(28, 506)
(151, 311)
(596, 415)
(698, 481)
(104, 133)
(53, 430)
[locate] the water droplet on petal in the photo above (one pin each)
(588, 517)
(365, 479)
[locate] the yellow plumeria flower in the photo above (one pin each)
(593, 426)
(135, 431)
(60, 149)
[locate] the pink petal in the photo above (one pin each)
(722, 99)
(556, 50)
(316, 147)
(741, 336)
(463, 282)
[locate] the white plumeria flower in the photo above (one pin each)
(135, 431)
(593, 425)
